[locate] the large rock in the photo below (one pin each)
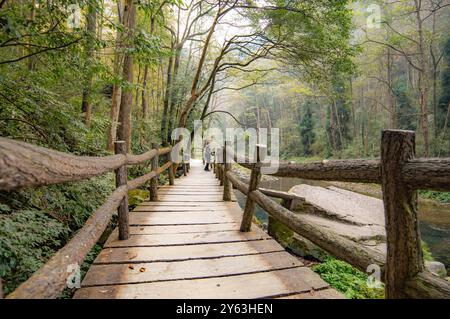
(351, 215)
(436, 268)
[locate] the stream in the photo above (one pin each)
(434, 218)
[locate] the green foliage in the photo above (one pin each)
(137, 196)
(27, 239)
(347, 279)
(316, 35)
(34, 224)
(426, 251)
(443, 197)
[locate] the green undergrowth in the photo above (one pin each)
(352, 282)
(347, 279)
(137, 196)
(35, 223)
(442, 197)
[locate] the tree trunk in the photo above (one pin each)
(194, 94)
(124, 130)
(32, 59)
(422, 82)
(144, 94)
(164, 121)
(117, 92)
(91, 28)
(390, 95)
(174, 92)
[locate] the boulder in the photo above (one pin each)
(355, 216)
(436, 268)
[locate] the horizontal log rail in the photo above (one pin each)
(418, 173)
(24, 165)
(50, 279)
(400, 175)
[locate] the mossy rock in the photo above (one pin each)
(281, 233)
(294, 242)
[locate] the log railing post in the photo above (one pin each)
(184, 163)
(154, 180)
(220, 166)
(121, 179)
(275, 228)
(215, 164)
(170, 170)
(255, 177)
(226, 181)
(404, 253)
(187, 159)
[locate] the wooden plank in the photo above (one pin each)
(187, 204)
(192, 188)
(180, 198)
(112, 274)
(174, 253)
(187, 209)
(180, 229)
(258, 285)
(191, 193)
(320, 294)
(184, 239)
(180, 218)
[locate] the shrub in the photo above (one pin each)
(347, 279)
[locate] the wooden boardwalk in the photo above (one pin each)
(188, 245)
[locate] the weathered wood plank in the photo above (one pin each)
(195, 199)
(180, 229)
(180, 218)
(177, 253)
(112, 274)
(320, 294)
(259, 285)
(148, 209)
(187, 204)
(184, 239)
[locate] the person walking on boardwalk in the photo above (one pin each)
(207, 156)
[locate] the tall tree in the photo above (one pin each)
(126, 100)
(91, 31)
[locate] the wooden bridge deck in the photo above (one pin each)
(188, 245)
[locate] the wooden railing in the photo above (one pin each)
(400, 176)
(24, 165)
